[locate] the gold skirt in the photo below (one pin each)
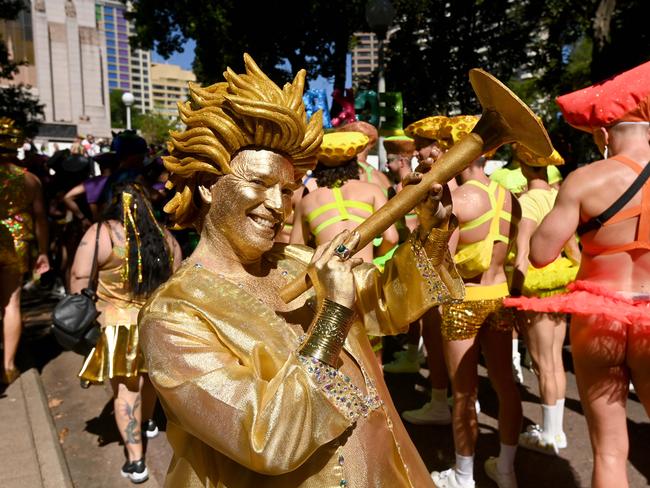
(117, 354)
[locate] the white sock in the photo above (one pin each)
(559, 415)
(515, 347)
(549, 417)
(464, 469)
(506, 459)
(439, 395)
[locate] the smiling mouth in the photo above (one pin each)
(264, 222)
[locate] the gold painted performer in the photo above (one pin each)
(610, 300)
(259, 393)
(487, 215)
(23, 223)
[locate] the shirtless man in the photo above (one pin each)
(342, 201)
(426, 137)
(611, 348)
(487, 215)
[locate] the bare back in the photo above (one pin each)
(326, 214)
(470, 204)
(603, 182)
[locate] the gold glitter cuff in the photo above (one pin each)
(328, 333)
(448, 289)
(346, 396)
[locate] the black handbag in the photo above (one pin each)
(74, 318)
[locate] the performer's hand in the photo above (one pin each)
(435, 209)
(332, 276)
(42, 264)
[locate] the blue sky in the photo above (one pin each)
(185, 59)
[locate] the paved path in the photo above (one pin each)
(29, 449)
(84, 423)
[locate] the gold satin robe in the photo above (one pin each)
(245, 410)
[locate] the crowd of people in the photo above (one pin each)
(260, 390)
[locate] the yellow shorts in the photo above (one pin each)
(483, 307)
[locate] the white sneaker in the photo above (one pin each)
(447, 479)
(402, 363)
(430, 414)
(561, 441)
(503, 480)
(534, 440)
(516, 368)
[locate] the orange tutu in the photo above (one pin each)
(586, 298)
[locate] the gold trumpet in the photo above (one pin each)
(505, 119)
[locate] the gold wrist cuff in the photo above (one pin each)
(328, 332)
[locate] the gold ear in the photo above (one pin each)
(206, 195)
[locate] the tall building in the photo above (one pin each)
(60, 41)
(127, 69)
(365, 55)
(169, 86)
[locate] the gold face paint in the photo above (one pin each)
(250, 205)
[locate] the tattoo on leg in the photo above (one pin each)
(132, 431)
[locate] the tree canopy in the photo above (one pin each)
(541, 48)
(312, 35)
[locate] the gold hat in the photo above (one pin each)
(339, 147)
(246, 111)
(528, 157)
(455, 128)
(363, 127)
(399, 145)
(11, 137)
(427, 128)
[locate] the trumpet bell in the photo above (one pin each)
(505, 117)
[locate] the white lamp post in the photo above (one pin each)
(127, 100)
(379, 15)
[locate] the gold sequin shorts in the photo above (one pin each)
(483, 308)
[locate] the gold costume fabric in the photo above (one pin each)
(483, 308)
(245, 410)
(117, 352)
(16, 224)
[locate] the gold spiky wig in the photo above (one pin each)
(245, 111)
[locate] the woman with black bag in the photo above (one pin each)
(135, 255)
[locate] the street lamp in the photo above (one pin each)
(379, 15)
(127, 100)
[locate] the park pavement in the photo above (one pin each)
(55, 434)
(29, 446)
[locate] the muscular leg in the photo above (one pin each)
(10, 298)
(497, 347)
(598, 349)
(462, 362)
(541, 342)
(128, 413)
(558, 363)
(433, 342)
(638, 361)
